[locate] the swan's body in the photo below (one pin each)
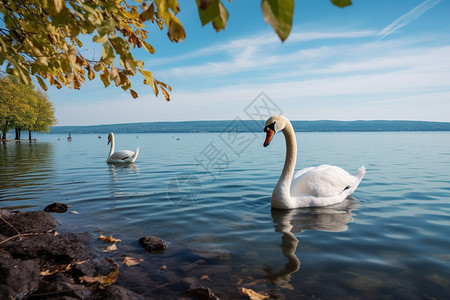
(121, 156)
(315, 186)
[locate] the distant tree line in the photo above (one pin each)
(22, 107)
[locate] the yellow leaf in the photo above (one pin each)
(110, 248)
(176, 30)
(42, 83)
(100, 39)
(103, 280)
(166, 94)
(205, 277)
(252, 295)
(133, 94)
(91, 74)
(108, 239)
(80, 262)
(148, 13)
(72, 54)
(62, 269)
(148, 75)
(114, 74)
(163, 267)
(47, 273)
(130, 261)
(148, 47)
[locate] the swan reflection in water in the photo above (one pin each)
(332, 218)
(117, 169)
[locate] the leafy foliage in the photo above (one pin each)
(23, 107)
(41, 38)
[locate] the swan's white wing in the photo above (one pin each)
(121, 155)
(322, 181)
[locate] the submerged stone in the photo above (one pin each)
(153, 244)
(56, 207)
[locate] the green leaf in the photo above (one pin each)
(212, 11)
(107, 51)
(341, 3)
(279, 14)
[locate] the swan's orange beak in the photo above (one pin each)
(269, 136)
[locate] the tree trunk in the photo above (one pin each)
(18, 130)
(4, 134)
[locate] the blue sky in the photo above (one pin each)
(373, 60)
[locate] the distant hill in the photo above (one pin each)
(253, 126)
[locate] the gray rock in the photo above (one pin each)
(17, 278)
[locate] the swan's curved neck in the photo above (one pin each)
(282, 193)
(111, 150)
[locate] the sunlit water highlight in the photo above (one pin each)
(208, 197)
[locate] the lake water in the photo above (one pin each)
(208, 196)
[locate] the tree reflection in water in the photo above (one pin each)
(24, 166)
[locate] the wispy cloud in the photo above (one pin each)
(407, 18)
(261, 41)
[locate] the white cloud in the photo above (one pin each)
(408, 18)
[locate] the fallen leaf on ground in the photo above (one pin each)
(110, 248)
(108, 239)
(103, 280)
(79, 262)
(62, 269)
(130, 261)
(252, 295)
(205, 277)
(163, 267)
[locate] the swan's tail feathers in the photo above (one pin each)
(135, 155)
(361, 172)
(358, 176)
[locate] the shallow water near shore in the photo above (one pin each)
(208, 196)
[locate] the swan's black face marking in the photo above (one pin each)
(270, 126)
(270, 131)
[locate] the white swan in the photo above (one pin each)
(315, 186)
(121, 156)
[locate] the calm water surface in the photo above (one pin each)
(208, 197)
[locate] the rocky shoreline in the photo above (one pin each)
(37, 262)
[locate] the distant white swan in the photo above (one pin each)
(315, 186)
(121, 156)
